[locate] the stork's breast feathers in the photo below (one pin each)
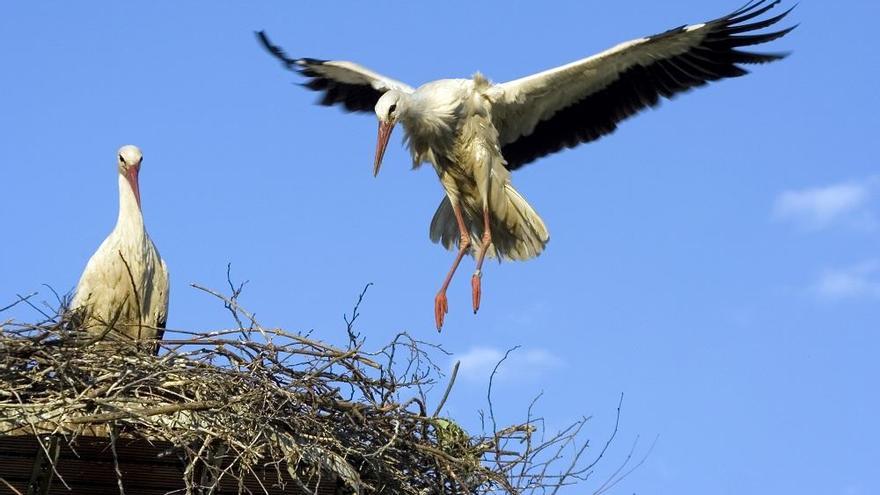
(124, 275)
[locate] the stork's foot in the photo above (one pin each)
(475, 289)
(441, 307)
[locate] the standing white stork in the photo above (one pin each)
(475, 133)
(125, 282)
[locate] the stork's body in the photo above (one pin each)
(474, 132)
(461, 143)
(125, 282)
(448, 123)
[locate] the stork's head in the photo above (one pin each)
(388, 110)
(129, 160)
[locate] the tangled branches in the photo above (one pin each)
(247, 400)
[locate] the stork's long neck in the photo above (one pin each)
(428, 124)
(426, 118)
(130, 217)
(434, 113)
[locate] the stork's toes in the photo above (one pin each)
(475, 289)
(441, 307)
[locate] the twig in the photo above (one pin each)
(8, 485)
(491, 380)
(610, 438)
(137, 297)
(349, 324)
(113, 436)
(448, 388)
(231, 303)
(20, 300)
(236, 291)
(146, 412)
(58, 298)
(26, 300)
(609, 484)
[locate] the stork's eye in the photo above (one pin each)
(121, 159)
(392, 108)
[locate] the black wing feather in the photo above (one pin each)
(352, 97)
(160, 332)
(641, 86)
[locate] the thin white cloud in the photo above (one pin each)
(478, 362)
(820, 207)
(858, 281)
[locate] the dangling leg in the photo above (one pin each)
(484, 246)
(441, 306)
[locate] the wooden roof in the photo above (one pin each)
(88, 468)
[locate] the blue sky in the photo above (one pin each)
(716, 259)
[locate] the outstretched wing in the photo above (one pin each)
(356, 88)
(584, 100)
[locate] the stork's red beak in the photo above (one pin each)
(385, 129)
(131, 175)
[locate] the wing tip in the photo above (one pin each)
(750, 11)
(766, 58)
(275, 50)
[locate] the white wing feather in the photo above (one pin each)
(351, 73)
(522, 103)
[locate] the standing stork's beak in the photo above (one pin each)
(385, 129)
(132, 176)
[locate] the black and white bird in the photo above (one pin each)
(475, 132)
(125, 283)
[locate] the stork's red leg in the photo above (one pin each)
(478, 274)
(441, 305)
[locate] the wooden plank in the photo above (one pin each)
(45, 458)
(89, 468)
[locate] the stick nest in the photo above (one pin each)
(269, 399)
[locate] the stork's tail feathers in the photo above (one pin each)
(518, 233)
(521, 234)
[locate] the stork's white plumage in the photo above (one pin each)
(126, 281)
(474, 132)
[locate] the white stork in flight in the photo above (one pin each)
(124, 288)
(475, 132)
